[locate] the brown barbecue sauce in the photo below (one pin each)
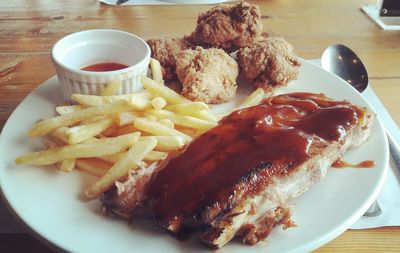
(339, 164)
(239, 156)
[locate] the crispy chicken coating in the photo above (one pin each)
(269, 63)
(207, 75)
(228, 27)
(165, 50)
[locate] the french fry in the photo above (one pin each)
(82, 133)
(156, 72)
(167, 122)
(156, 128)
(187, 108)
(48, 125)
(125, 118)
(68, 109)
(92, 120)
(151, 117)
(253, 99)
(92, 148)
(182, 120)
(190, 131)
(113, 158)
(171, 96)
(51, 156)
(94, 166)
(67, 165)
(158, 103)
(198, 110)
(129, 139)
(132, 160)
(204, 114)
(168, 143)
(111, 88)
(152, 156)
(61, 134)
(139, 101)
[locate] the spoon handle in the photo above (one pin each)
(394, 151)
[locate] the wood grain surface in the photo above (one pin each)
(29, 28)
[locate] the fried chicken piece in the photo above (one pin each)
(165, 50)
(207, 75)
(228, 27)
(270, 63)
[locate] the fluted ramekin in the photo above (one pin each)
(78, 50)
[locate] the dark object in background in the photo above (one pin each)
(12, 243)
(390, 8)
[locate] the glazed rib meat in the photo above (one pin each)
(238, 178)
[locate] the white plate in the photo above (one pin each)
(50, 202)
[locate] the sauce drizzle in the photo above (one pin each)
(339, 164)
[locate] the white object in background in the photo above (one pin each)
(75, 51)
(386, 13)
(161, 2)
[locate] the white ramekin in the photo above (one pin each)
(75, 51)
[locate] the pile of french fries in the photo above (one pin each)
(109, 135)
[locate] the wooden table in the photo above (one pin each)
(29, 28)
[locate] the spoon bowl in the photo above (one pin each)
(343, 62)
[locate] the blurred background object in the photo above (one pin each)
(386, 13)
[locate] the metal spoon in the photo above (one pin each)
(343, 62)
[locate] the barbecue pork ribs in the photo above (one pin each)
(238, 178)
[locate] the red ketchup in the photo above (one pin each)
(105, 66)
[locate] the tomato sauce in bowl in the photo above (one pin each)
(105, 66)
